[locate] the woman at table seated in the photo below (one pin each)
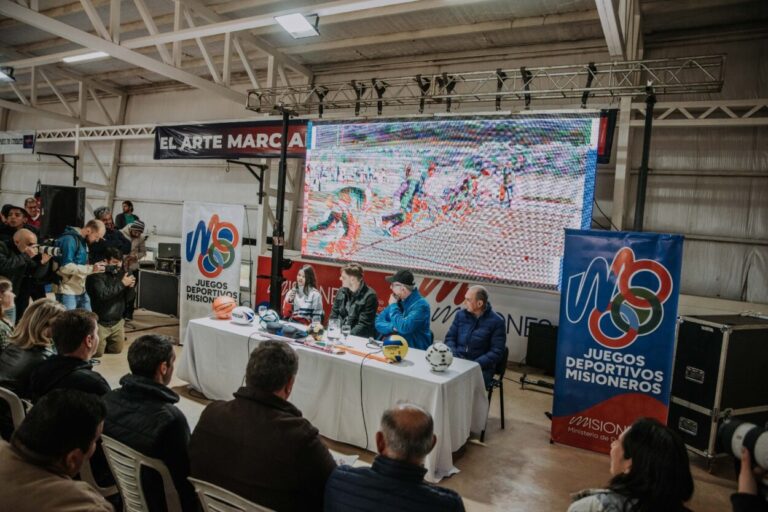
(303, 301)
(650, 469)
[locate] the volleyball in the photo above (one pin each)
(439, 357)
(395, 348)
(223, 306)
(243, 315)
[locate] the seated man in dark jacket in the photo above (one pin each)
(395, 481)
(355, 303)
(76, 336)
(258, 445)
(477, 332)
(109, 292)
(141, 415)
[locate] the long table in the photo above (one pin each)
(342, 395)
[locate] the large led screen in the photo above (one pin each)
(485, 199)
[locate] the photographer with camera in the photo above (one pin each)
(73, 264)
(748, 499)
(109, 292)
(25, 265)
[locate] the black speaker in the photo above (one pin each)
(720, 367)
(61, 207)
(159, 292)
(542, 347)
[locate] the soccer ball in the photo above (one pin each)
(395, 348)
(269, 316)
(223, 306)
(243, 315)
(439, 357)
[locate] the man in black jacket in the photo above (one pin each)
(395, 481)
(76, 336)
(22, 264)
(109, 292)
(355, 303)
(142, 415)
(112, 237)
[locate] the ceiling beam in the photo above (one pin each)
(609, 19)
(94, 43)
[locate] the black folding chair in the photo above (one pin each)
(497, 382)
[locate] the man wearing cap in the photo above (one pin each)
(408, 312)
(134, 233)
(15, 219)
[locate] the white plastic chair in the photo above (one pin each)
(86, 475)
(126, 463)
(218, 499)
(15, 404)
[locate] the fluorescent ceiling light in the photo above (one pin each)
(85, 56)
(6, 75)
(298, 25)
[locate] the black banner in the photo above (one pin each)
(249, 139)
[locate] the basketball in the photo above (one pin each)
(223, 306)
(395, 348)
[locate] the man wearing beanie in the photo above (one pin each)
(134, 232)
(408, 312)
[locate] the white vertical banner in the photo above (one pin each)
(210, 264)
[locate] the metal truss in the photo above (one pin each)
(98, 133)
(718, 113)
(605, 80)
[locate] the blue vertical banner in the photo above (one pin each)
(615, 346)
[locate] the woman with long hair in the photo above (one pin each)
(6, 302)
(303, 302)
(651, 473)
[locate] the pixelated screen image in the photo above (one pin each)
(479, 198)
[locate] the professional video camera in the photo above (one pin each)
(735, 434)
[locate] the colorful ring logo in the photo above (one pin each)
(634, 310)
(221, 251)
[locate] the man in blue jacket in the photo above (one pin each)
(408, 312)
(395, 481)
(73, 264)
(478, 333)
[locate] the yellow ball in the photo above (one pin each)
(395, 348)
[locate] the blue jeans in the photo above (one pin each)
(81, 301)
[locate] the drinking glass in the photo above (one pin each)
(346, 329)
(334, 329)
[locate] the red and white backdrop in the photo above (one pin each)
(519, 307)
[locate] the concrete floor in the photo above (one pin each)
(515, 469)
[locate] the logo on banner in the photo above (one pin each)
(216, 243)
(620, 309)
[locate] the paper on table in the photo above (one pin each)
(340, 458)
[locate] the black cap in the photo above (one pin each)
(403, 277)
(8, 207)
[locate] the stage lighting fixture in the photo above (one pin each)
(298, 25)
(6, 75)
(85, 56)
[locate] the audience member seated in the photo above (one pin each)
(37, 468)
(109, 292)
(112, 237)
(73, 264)
(33, 212)
(395, 481)
(21, 262)
(478, 333)
(748, 499)
(408, 312)
(142, 415)
(134, 233)
(258, 445)
(355, 302)
(30, 345)
(127, 217)
(6, 303)
(649, 465)
(76, 336)
(303, 302)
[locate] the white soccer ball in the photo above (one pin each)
(439, 357)
(269, 315)
(243, 315)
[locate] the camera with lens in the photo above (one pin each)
(111, 269)
(734, 434)
(50, 250)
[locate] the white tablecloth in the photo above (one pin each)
(327, 388)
